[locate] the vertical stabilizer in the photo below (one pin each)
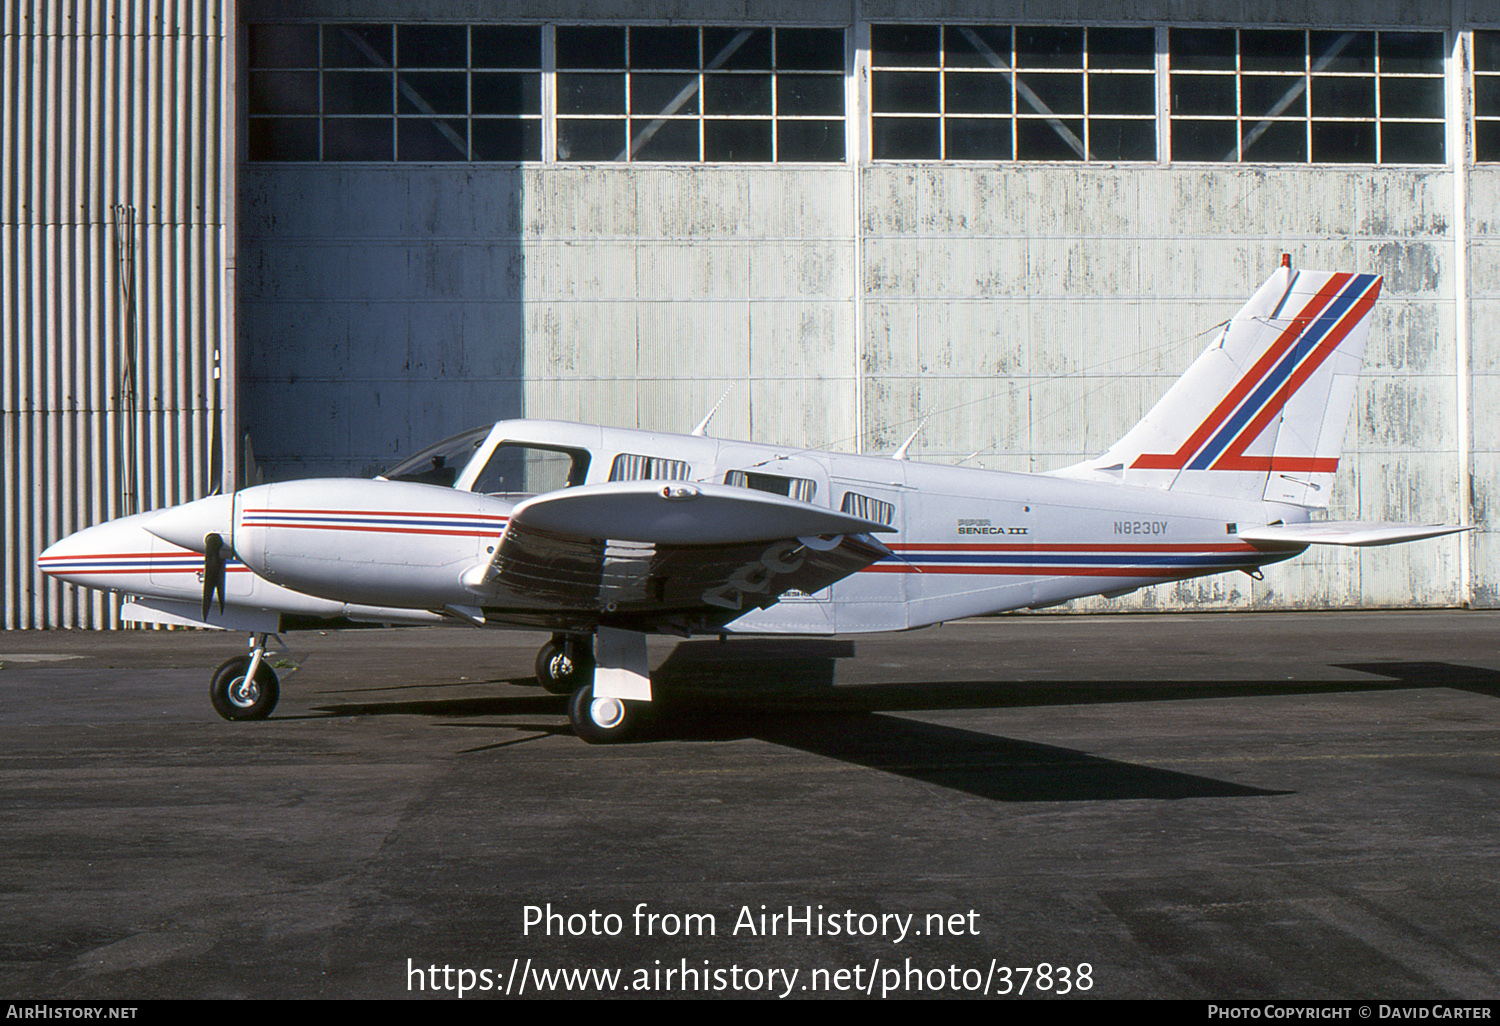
(1262, 413)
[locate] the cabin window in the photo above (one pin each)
(857, 505)
(516, 469)
(629, 467)
(794, 487)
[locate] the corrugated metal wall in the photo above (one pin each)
(116, 224)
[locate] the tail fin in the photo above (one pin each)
(1262, 413)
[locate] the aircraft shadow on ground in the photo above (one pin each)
(784, 692)
(1474, 679)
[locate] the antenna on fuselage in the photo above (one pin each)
(900, 454)
(702, 429)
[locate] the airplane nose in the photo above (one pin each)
(187, 525)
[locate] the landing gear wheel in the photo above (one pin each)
(604, 721)
(564, 663)
(236, 698)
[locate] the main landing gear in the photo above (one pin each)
(568, 665)
(245, 687)
(565, 663)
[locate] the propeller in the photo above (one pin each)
(213, 571)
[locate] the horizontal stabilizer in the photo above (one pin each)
(1346, 532)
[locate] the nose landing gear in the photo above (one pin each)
(245, 687)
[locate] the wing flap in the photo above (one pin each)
(1357, 533)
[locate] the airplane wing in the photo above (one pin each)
(648, 555)
(1345, 532)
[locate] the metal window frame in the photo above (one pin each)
(1313, 69)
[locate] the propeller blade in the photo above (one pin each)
(213, 571)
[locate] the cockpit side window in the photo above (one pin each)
(516, 469)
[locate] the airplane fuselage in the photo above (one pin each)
(962, 541)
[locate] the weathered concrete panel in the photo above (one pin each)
(404, 289)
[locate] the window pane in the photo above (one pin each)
(672, 47)
(432, 139)
(810, 49)
(358, 92)
(978, 138)
(904, 46)
(663, 94)
(1420, 143)
(906, 139)
(737, 49)
(1122, 94)
(1487, 51)
(1272, 50)
(1349, 52)
(976, 93)
(507, 46)
(357, 46)
(977, 46)
(506, 92)
(1412, 52)
(904, 91)
(1203, 94)
(738, 94)
(432, 46)
(284, 138)
(810, 140)
(432, 92)
(1411, 97)
(664, 140)
(1279, 142)
(1042, 140)
(1275, 96)
(590, 94)
(1487, 140)
(1343, 97)
(506, 139)
(1486, 95)
(1204, 140)
(810, 94)
(737, 140)
(1202, 49)
(1061, 94)
(283, 92)
(1042, 47)
(1122, 48)
(283, 46)
(357, 139)
(590, 46)
(1122, 140)
(590, 140)
(1343, 142)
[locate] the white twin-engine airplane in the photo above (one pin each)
(604, 535)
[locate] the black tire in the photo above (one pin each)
(606, 722)
(233, 700)
(561, 675)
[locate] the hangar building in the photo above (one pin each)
(277, 239)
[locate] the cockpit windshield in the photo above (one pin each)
(440, 464)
